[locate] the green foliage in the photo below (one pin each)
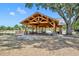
(65, 10)
(2, 27)
(9, 28)
(16, 27)
(76, 25)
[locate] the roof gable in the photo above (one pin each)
(39, 17)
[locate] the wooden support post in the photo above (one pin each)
(60, 29)
(42, 29)
(39, 29)
(32, 29)
(45, 29)
(25, 31)
(36, 29)
(54, 27)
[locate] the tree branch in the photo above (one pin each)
(62, 15)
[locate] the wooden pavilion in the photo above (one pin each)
(39, 21)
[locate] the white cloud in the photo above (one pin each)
(12, 13)
(21, 11)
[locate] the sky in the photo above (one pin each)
(13, 13)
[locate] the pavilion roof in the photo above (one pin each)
(40, 19)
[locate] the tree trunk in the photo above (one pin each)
(68, 29)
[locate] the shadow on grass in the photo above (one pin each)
(59, 43)
(50, 44)
(9, 43)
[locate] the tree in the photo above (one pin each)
(2, 27)
(9, 28)
(22, 26)
(17, 27)
(69, 12)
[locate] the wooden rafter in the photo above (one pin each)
(41, 20)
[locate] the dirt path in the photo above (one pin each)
(30, 51)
